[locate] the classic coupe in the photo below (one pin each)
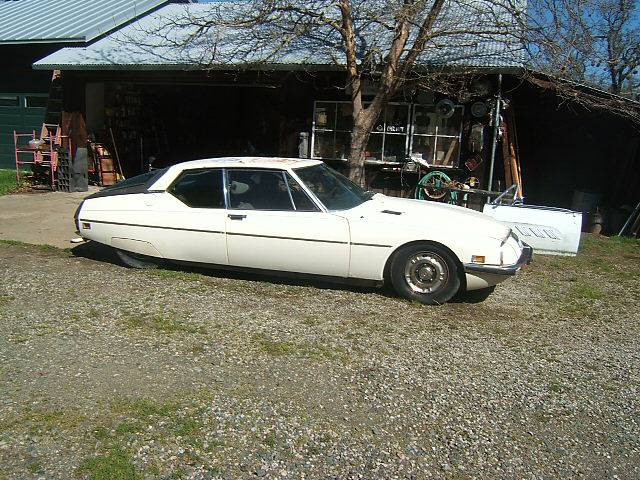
(302, 217)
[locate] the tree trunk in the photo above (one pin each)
(359, 140)
(363, 123)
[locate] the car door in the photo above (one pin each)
(191, 217)
(272, 224)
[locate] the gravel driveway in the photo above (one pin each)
(107, 372)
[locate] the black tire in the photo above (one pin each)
(424, 273)
(475, 296)
(137, 260)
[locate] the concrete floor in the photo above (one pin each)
(40, 217)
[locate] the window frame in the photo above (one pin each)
(288, 175)
(436, 137)
(409, 132)
(191, 170)
(375, 132)
(30, 96)
(283, 173)
(10, 96)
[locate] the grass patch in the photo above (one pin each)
(311, 321)
(34, 465)
(186, 426)
(169, 323)
(556, 387)
(5, 299)
(174, 274)
(275, 348)
(270, 440)
(116, 463)
(278, 348)
(583, 290)
(43, 421)
(127, 428)
(8, 182)
(15, 243)
(101, 433)
(143, 408)
(45, 248)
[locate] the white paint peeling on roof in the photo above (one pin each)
(157, 42)
(55, 21)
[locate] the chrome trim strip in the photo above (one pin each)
(150, 226)
(284, 178)
(235, 233)
(225, 188)
(286, 238)
(371, 245)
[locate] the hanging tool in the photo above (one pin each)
(115, 149)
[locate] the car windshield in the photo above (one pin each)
(334, 190)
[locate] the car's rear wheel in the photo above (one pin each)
(424, 273)
(137, 260)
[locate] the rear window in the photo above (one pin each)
(199, 188)
(137, 184)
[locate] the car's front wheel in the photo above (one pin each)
(424, 273)
(136, 260)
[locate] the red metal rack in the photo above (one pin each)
(47, 151)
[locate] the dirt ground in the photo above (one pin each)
(107, 372)
(40, 217)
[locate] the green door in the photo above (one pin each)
(22, 112)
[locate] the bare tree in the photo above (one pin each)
(386, 43)
(592, 41)
(617, 46)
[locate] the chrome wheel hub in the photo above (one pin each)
(426, 272)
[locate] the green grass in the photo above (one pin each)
(15, 243)
(143, 408)
(127, 428)
(312, 350)
(8, 182)
(43, 421)
(44, 248)
(186, 426)
(583, 290)
(5, 298)
(115, 464)
(164, 322)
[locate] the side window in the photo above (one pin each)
(199, 188)
(301, 200)
(258, 190)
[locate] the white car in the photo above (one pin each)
(300, 216)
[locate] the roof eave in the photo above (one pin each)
(504, 69)
(32, 41)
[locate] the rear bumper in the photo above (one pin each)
(525, 259)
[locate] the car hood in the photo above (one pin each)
(397, 211)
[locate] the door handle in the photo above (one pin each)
(236, 217)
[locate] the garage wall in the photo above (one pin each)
(22, 112)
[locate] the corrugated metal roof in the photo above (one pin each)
(56, 21)
(166, 40)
